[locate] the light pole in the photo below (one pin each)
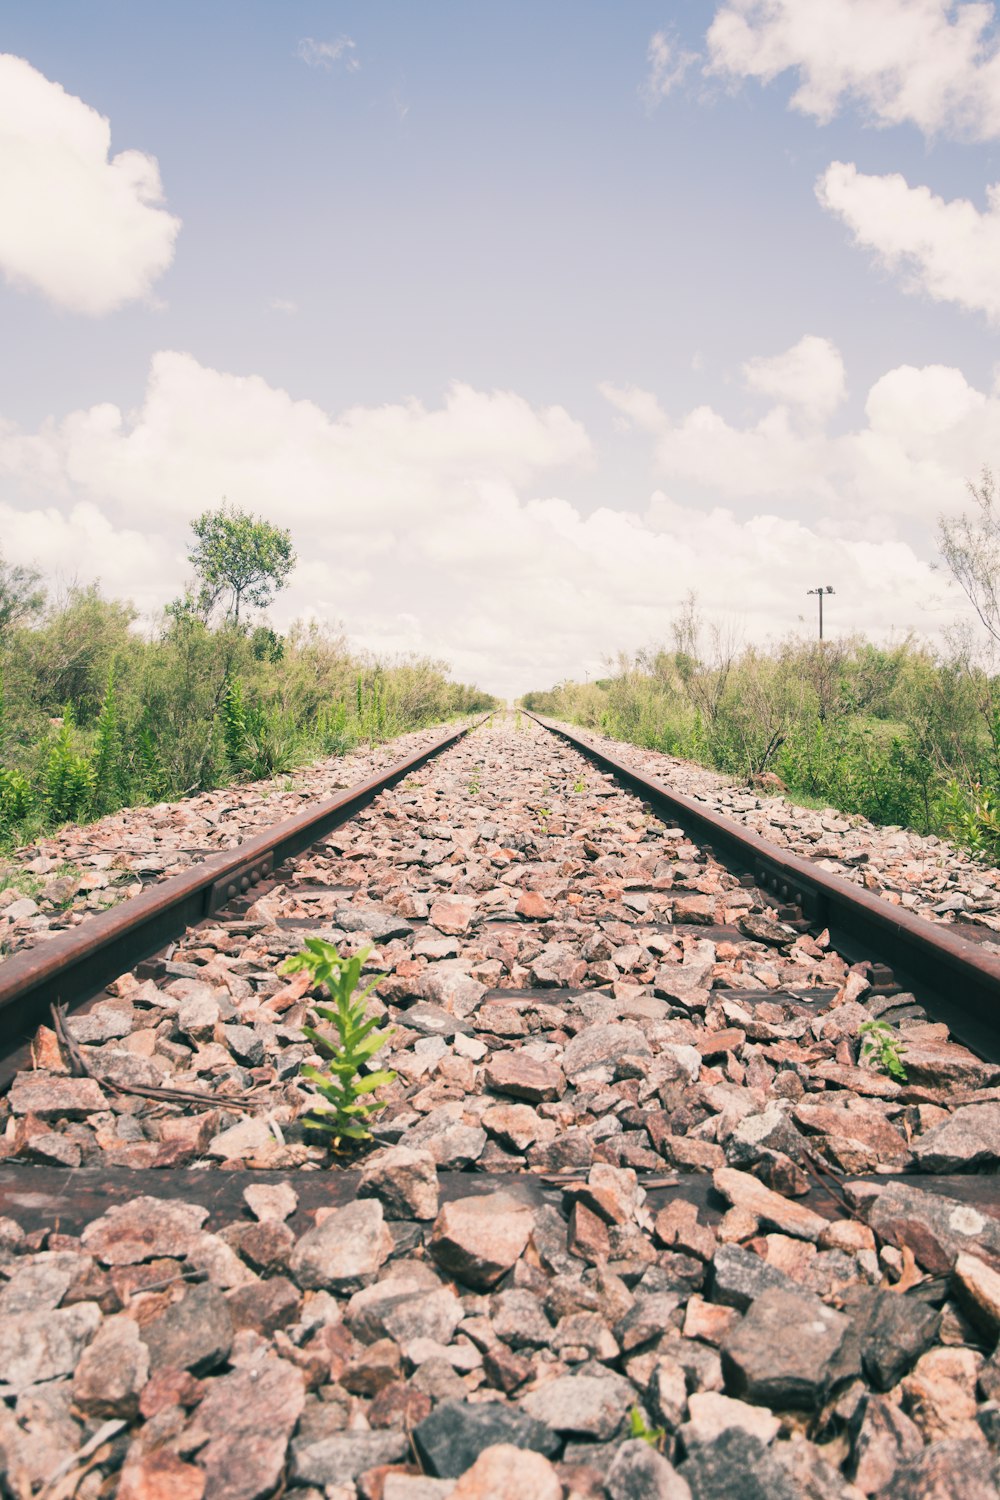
(820, 591)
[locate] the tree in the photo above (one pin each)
(970, 546)
(20, 595)
(242, 555)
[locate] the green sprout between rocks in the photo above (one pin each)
(882, 1048)
(654, 1436)
(580, 786)
(347, 1091)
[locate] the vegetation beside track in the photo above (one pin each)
(96, 714)
(899, 733)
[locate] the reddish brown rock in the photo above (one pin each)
(160, 1475)
(451, 916)
(522, 1077)
(744, 1191)
(508, 1473)
(478, 1239)
(533, 905)
(53, 1097)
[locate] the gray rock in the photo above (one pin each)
(404, 1180)
(736, 1467)
(194, 1334)
(970, 1138)
(112, 1370)
(883, 1437)
(597, 1046)
(451, 1439)
(39, 1284)
(381, 926)
(518, 1318)
(367, 1310)
(589, 1405)
(638, 1472)
(341, 1458)
(950, 1470)
(893, 1331)
(45, 1345)
(935, 1228)
(782, 1352)
(649, 1318)
(51, 1096)
(738, 1276)
(434, 1020)
(433, 1315)
(245, 1044)
(144, 1229)
(451, 1143)
(345, 1251)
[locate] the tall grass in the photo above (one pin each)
(899, 733)
(95, 715)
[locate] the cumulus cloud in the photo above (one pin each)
(325, 54)
(810, 376)
(668, 62)
(949, 250)
(925, 430)
(84, 228)
(448, 529)
(932, 63)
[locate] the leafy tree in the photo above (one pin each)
(20, 595)
(242, 555)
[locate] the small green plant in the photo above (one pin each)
(544, 814)
(580, 785)
(345, 1090)
(518, 721)
(474, 786)
(654, 1436)
(68, 777)
(881, 1048)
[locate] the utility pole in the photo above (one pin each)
(820, 591)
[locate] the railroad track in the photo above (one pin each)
(629, 1109)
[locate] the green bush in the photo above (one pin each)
(184, 708)
(898, 734)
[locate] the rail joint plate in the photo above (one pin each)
(789, 890)
(238, 882)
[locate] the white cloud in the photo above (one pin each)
(83, 228)
(325, 54)
(443, 530)
(949, 250)
(932, 63)
(810, 376)
(668, 62)
(925, 431)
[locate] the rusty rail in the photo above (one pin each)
(957, 980)
(78, 963)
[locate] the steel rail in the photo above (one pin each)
(956, 978)
(78, 963)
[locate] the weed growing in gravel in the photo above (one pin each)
(344, 1088)
(654, 1436)
(580, 786)
(881, 1048)
(474, 785)
(518, 721)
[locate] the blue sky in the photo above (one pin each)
(493, 306)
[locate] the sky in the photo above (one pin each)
(525, 319)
